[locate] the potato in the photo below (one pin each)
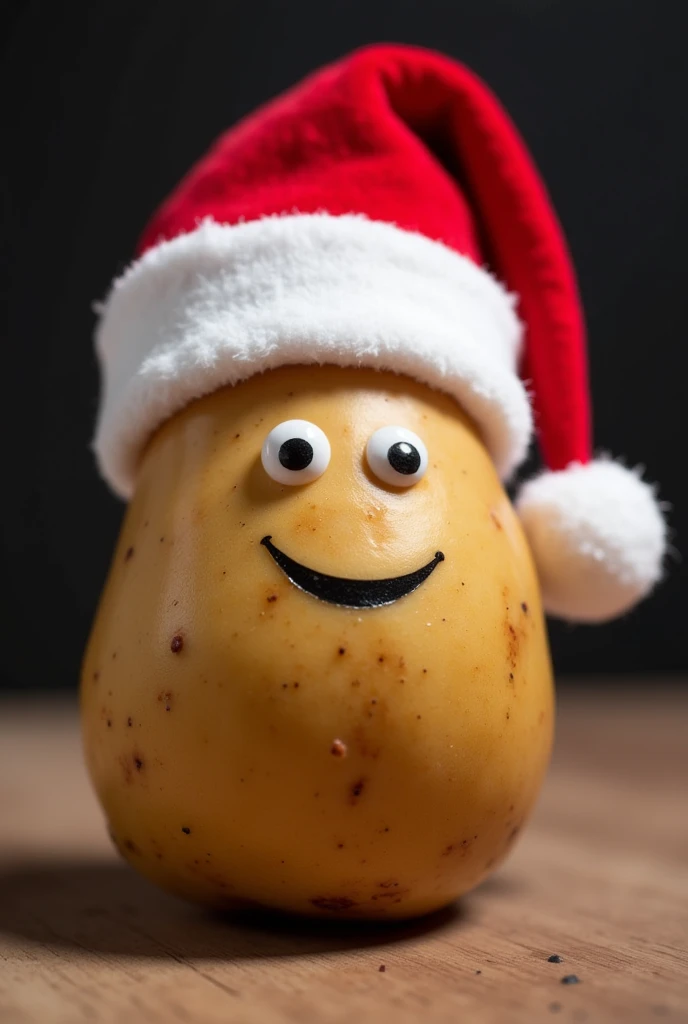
(253, 744)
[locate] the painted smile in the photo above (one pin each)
(350, 593)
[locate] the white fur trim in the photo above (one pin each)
(222, 303)
(598, 538)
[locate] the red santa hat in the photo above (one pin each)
(352, 221)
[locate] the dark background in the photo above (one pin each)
(105, 105)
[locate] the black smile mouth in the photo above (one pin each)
(350, 593)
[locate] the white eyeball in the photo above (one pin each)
(295, 452)
(397, 456)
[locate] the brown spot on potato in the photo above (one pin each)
(271, 598)
(165, 697)
(186, 830)
(389, 884)
(512, 835)
(460, 847)
(130, 722)
(131, 846)
(508, 715)
(333, 903)
(356, 790)
(138, 763)
(341, 651)
(109, 723)
(496, 521)
(339, 749)
(524, 607)
(381, 658)
(96, 676)
(129, 554)
(177, 643)
(513, 644)
(355, 682)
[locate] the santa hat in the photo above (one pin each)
(351, 222)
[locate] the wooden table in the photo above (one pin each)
(600, 878)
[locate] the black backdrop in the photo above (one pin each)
(106, 104)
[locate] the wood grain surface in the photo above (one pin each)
(600, 878)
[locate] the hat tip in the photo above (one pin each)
(598, 538)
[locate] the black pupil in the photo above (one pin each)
(296, 453)
(404, 457)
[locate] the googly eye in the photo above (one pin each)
(397, 456)
(295, 452)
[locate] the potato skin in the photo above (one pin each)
(251, 744)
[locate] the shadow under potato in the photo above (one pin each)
(105, 907)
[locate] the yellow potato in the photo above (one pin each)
(252, 743)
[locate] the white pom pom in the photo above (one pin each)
(598, 538)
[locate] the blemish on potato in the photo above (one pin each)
(138, 763)
(513, 644)
(496, 520)
(460, 847)
(96, 676)
(129, 554)
(131, 846)
(186, 830)
(165, 697)
(177, 643)
(341, 651)
(130, 722)
(271, 598)
(333, 903)
(524, 607)
(339, 749)
(356, 790)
